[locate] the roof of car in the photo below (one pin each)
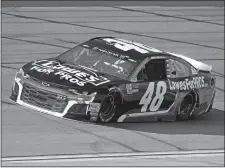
(134, 53)
(151, 50)
(136, 50)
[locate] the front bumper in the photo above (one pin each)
(53, 101)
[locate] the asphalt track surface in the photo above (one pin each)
(36, 33)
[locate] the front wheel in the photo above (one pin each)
(186, 107)
(109, 109)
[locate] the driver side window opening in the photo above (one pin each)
(154, 70)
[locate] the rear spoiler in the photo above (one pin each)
(204, 67)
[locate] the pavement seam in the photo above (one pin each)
(116, 31)
(110, 10)
(32, 53)
(8, 103)
(120, 21)
(3, 66)
(166, 15)
(218, 73)
(208, 162)
(220, 89)
(162, 141)
(66, 41)
(119, 16)
(35, 42)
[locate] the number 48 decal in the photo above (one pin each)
(153, 103)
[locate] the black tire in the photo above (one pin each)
(109, 111)
(186, 107)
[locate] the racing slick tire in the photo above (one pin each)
(110, 109)
(186, 107)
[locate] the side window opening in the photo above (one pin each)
(154, 70)
(176, 69)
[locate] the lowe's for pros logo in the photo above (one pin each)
(187, 84)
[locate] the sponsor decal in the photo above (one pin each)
(187, 84)
(126, 45)
(94, 110)
(94, 107)
(120, 56)
(71, 74)
(60, 97)
(141, 45)
(132, 88)
(43, 70)
(45, 84)
(150, 102)
(193, 70)
(158, 57)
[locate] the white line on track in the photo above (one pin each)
(113, 156)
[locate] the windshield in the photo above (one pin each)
(101, 60)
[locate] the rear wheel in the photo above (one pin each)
(186, 107)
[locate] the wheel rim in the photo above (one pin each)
(108, 107)
(186, 105)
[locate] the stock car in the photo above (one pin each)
(109, 79)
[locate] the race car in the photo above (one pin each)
(108, 79)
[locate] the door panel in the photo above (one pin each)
(152, 93)
(157, 97)
(150, 97)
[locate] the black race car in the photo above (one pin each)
(110, 79)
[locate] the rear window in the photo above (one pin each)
(177, 69)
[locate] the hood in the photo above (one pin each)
(68, 75)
